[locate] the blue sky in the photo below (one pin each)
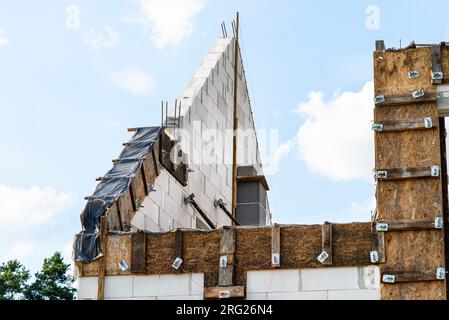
(68, 93)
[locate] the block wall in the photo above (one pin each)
(349, 283)
(205, 135)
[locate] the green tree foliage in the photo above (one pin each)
(13, 280)
(53, 282)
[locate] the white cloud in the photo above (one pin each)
(271, 165)
(25, 207)
(106, 38)
(19, 251)
(168, 21)
(134, 79)
(3, 38)
(335, 140)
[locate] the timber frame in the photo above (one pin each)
(225, 255)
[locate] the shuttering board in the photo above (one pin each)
(415, 250)
(299, 245)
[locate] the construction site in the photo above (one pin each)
(168, 222)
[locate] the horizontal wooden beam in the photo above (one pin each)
(407, 173)
(392, 277)
(416, 124)
(224, 292)
(404, 99)
(409, 224)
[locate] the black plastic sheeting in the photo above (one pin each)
(115, 183)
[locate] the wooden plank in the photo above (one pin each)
(405, 99)
(414, 124)
(326, 242)
(419, 250)
(391, 70)
(380, 45)
(138, 252)
(144, 179)
(224, 293)
(299, 245)
(405, 173)
(276, 246)
(401, 276)
(227, 249)
(444, 192)
(103, 248)
(409, 224)
(436, 63)
(178, 248)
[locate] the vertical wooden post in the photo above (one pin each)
(177, 253)
(276, 246)
(327, 242)
(102, 271)
(227, 249)
(138, 252)
(236, 120)
(444, 192)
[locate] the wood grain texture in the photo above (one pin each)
(275, 244)
(227, 248)
(412, 199)
(391, 71)
(233, 292)
(299, 244)
(138, 248)
(410, 224)
(414, 124)
(326, 242)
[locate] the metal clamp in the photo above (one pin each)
(382, 227)
(388, 278)
(379, 99)
(437, 75)
(413, 74)
(428, 122)
(381, 175)
(177, 263)
(441, 273)
(418, 93)
(323, 256)
(377, 127)
(435, 171)
(438, 222)
(218, 202)
(188, 200)
(374, 256)
(122, 265)
(223, 261)
(276, 259)
(224, 294)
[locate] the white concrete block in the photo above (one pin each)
(362, 294)
(273, 281)
(329, 278)
(87, 288)
(308, 295)
(197, 283)
(162, 285)
(256, 296)
(118, 286)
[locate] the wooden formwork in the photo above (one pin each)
(245, 249)
(410, 171)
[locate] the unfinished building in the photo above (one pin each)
(174, 220)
